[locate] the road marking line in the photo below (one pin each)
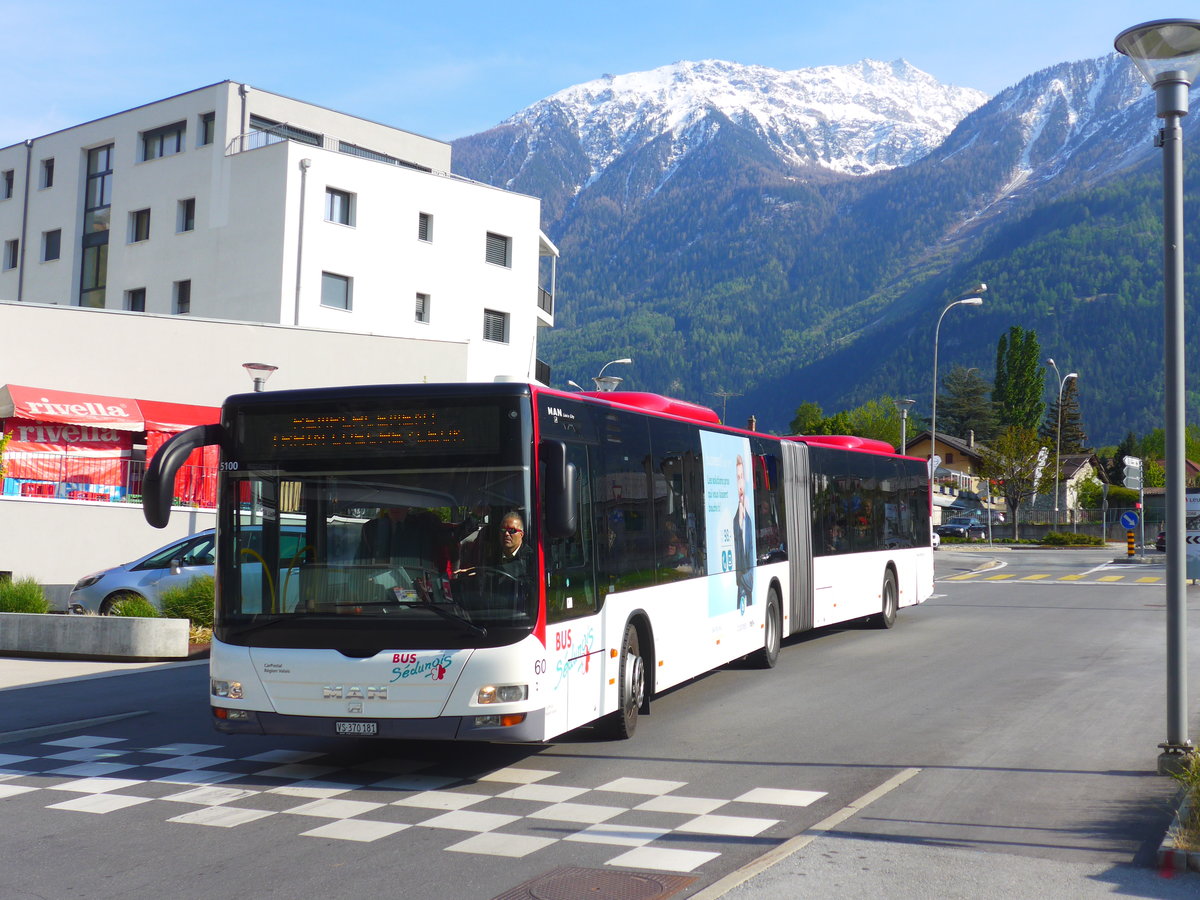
(961, 577)
(999, 577)
(1073, 577)
(10, 737)
(723, 885)
(1111, 578)
(1148, 580)
(1034, 577)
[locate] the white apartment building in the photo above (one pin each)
(233, 203)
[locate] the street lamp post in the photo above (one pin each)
(609, 382)
(903, 406)
(259, 373)
(970, 298)
(1062, 382)
(1167, 53)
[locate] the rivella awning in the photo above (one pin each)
(70, 408)
(99, 411)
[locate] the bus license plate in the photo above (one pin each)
(363, 728)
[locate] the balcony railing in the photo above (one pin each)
(98, 479)
(545, 301)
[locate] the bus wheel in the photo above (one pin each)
(887, 617)
(631, 687)
(773, 630)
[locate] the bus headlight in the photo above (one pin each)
(505, 693)
(230, 689)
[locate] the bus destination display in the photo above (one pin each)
(455, 430)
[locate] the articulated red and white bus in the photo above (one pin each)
(505, 562)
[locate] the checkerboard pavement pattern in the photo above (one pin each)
(512, 811)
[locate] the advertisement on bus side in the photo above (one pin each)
(729, 521)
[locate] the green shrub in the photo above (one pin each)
(24, 596)
(1070, 539)
(134, 607)
(194, 602)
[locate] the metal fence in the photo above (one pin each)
(97, 479)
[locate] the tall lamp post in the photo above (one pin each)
(1167, 53)
(609, 382)
(970, 298)
(903, 406)
(1062, 382)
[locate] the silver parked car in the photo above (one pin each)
(148, 576)
(174, 565)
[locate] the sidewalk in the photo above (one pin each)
(21, 672)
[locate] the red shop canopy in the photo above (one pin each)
(97, 410)
(174, 417)
(69, 408)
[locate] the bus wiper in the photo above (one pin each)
(445, 614)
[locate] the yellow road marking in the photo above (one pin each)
(1111, 578)
(1034, 577)
(998, 577)
(961, 577)
(1072, 577)
(1148, 580)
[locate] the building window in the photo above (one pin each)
(495, 326)
(12, 250)
(93, 276)
(6, 184)
(422, 308)
(182, 297)
(51, 245)
(97, 198)
(165, 141)
(949, 458)
(424, 227)
(139, 225)
(186, 216)
(135, 300)
(208, 128)
(499, 250)
(339, 206)
(336, 290)
(47, 180)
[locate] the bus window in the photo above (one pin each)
(768, 503)
(622, 510)
(678, 492)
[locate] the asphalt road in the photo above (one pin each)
(1006, 725)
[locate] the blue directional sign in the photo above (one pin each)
(1129, 520)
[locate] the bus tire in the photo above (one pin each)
(766, 657)
(891, 601)
(631, 686)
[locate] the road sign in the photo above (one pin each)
(1129, 520)
(1133, 472)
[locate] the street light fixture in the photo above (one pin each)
(259, 373)
(970, 298)
(1167, 53)
(1062, 382)
(609, 382)
(903, 406)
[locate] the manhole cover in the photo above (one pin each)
(575, 883)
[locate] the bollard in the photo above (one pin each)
(1129, 548)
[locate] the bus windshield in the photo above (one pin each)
(419, 549)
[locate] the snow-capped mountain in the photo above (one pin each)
(856, 119)
(740, 227)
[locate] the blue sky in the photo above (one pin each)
(450, 69)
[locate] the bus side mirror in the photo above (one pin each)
(562, 490)
(158, 486)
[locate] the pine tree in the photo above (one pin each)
(1073, 438)
(966, 405)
